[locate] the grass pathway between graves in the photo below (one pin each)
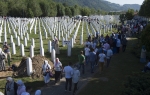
(110, 82)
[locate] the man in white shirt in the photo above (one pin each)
(86, 50)
(102, 58)
(68, 75)
(108, 56)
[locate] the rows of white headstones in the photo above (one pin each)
(63, 29)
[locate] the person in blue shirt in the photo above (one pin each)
(92, 59)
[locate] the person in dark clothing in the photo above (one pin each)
(124, 43)
(11, 87)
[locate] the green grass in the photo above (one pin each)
(122, 65)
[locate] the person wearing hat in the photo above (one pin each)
(21, 87)
(38, 92)
(10, 87)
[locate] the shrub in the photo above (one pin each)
(137, 84)
(145, 37)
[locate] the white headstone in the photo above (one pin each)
(31, 51)
(41, 43)
(16, 35)
(0, 39)
(42, 51)
(49, 46)
(72, 42)
(27, 35)
(53, 55)
(22, 50)
(63, 39)
(13, 48)
(81, 39)
(69, 50)
(33, 43)
(18, 41)
(29, 66)
(45, 35)
(25, 41)
(11, 39)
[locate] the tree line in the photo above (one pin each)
(43, 8)
(145, 9)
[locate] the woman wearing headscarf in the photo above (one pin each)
(143, 55)
(38, 92)
(58, 70)
(75, 78)
(2, 60)
(21, 87)
(10, 87)
(46, 72)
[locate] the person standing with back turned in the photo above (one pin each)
(81, 58)
(68, 75)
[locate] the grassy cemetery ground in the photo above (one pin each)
(111, 81)
(37, 83)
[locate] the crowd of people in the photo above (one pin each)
(18, 88)
(98, 51)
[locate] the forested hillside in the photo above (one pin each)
(37, 8)
(101, 4)
(42, 8)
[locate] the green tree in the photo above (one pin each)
(17, 8)
(53, 9)
(145, 9)
(85, 11)
(129, 14)
(122, 18)
(30, 13)
(44, 5)
(68, 12)
(60, 10)
(35, 7)
(3, 8)
(145, 37)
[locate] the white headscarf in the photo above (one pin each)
(44, 67)
(38, 92)
(9, 79)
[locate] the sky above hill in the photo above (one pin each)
(121, 2)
